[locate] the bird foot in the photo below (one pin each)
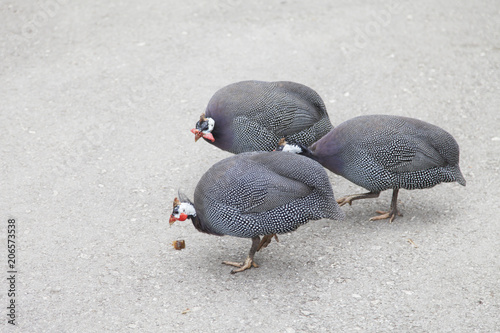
(348, 199)
(345, 200)
(241, 266)
(391, 215)
(266, 240)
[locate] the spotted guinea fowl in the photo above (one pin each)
(254, 115)
(381, 152)
(258, 194)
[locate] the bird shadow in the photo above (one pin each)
(416, 207)
(319, 245)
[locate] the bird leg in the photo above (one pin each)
(350, 198)
(249, 260)
(266, 240)
(391, 215)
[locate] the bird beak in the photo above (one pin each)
(172, 219)
(197, 134)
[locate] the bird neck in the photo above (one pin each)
(202, 227)
(308, 153)
(298, 148)
(303, 150)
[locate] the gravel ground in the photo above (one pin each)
(97, 102)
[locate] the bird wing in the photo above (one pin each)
(301, 107)
(406, 154)
(279, 191)
(253, 188)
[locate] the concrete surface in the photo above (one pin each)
(97, 99)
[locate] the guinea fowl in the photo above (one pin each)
(258, 194)
(381, 152)
(254, 115)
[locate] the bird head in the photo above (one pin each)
(285, 146)
(204, 128)
(181, 211)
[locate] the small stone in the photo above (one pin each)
(305, 312)
(55, 289)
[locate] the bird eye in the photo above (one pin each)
(203, 126)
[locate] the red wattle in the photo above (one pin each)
(209, 136)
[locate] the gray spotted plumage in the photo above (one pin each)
(381, 152)
(255, 115)
(263, 193)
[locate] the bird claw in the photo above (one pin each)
(249, 263)
(345, 200)
(348, 199)
(391, 215)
